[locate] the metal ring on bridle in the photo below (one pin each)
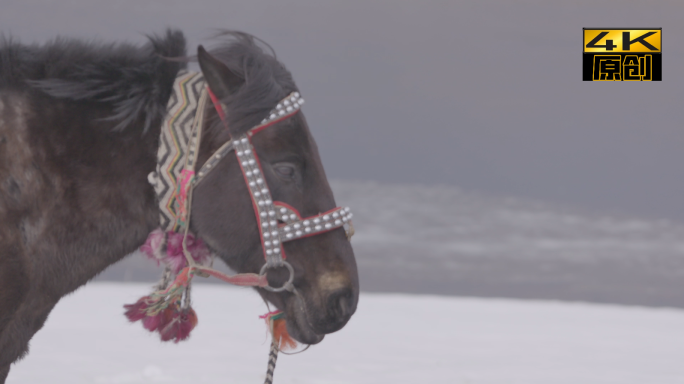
(288, 286)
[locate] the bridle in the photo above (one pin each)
(277, 221)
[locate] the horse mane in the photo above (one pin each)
(134, 80)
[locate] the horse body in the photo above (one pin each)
(74, 198)
(79, 131)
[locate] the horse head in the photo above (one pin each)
(249, 83)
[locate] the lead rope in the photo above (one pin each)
(272, 359)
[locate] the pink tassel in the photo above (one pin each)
(153, 245)
(174, 251)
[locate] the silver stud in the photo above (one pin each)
(263, 214)
(274, 233)
(338, 222)
(283, 210)
(271, 213)
(267, 243)
(295, 105)
(275, 242)
(261, 203)
(240, 153)
(287, 102)
(268, 202)
(335, 215)
(300, 101)
(264, 191)
(328, 225)
(279, 106)
(284, 218)
(297, 225)
(289, 235)
(316, 220)
(245, 163)
(307, 229)
(298, 233)
(281, 112)
(273, 223)
(295, 94)
(256, 171)
(349, 216)
(276, 250)
(269, 252)
(306, 223)
(244, 140)
(248, 151)
(318, 227)
(344, 219)
(286, 229)
(264, 224)
(293, 216)
(257, 194)
(248, 173)
(326, 217)
(252, 184)
(290, 109)
(252, 161)
(347, 209)
(260, 181)
(273, 116)
(201, 174)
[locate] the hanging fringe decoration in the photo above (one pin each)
(277, 326)
(167, 310)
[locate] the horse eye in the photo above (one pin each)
(285, 170)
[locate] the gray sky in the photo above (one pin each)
(484, 95)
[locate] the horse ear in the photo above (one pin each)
(221, 80)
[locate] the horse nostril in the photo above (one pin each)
(340, 304)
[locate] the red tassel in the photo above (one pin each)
(176, 325)
(135, 312)
(151, 323)
(280, 333)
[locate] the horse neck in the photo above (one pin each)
(104, 172)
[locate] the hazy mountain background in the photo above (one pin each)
(414, 99)
(443, 240)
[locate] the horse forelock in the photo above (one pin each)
(267, 81)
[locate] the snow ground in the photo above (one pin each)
(392, 338)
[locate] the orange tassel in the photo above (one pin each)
(280, 333)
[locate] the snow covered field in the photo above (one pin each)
(392, 339)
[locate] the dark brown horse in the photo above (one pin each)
(79, 132)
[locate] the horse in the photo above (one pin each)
(80, 130)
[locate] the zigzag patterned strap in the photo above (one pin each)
(176, 133)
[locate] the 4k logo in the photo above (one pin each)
(622, 54)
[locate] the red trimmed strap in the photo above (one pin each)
(217, 105)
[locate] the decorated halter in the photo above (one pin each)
(167, 310)
(278, 222)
